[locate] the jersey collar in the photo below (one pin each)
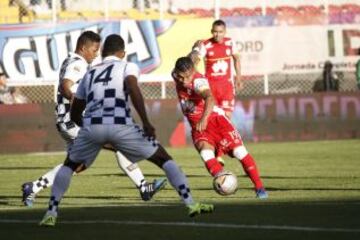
(112, 58)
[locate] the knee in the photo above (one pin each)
(160, 157)
(76, 167)
(240, 152)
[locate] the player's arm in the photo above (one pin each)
(202, 88)
(65, 89)
(73, 73)
(237, 67)
(77, 108)
(79, 102)
(196, 52)
(138, 103)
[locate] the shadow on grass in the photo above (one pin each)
(257, 220)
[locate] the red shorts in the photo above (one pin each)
(220, 133)
(224, 94)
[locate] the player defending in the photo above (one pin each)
(211, 131)
(104, 94)
(72, 71)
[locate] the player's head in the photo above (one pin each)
(184, 71)
(88, 45)
(113, 45)
(218, 30)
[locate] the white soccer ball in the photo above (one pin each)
(225, 183)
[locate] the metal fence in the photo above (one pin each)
(29, 11)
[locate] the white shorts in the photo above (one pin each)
(128, 139)
(68, 134)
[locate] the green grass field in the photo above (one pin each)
(314, 190)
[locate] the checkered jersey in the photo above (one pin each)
(104, 90)
(73, 68)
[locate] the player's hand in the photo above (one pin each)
(197, 44)
(149, 130)
(201, 125)
(239, 85)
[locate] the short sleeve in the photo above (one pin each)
(131, 69)
(75, 71)
(201, 84)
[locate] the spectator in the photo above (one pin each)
(329, 80)
(10, 95)
(358, 72)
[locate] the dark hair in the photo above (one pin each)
(218, 22)
(87, 36)
(183, 64)
(113, 43)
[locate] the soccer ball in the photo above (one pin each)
(225, 183)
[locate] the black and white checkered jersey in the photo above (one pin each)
(73, 68)
(104, 91)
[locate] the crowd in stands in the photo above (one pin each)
(290, 15)
(10, 95)
(281, 15)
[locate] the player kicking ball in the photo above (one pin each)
(211, 130)
(104, 95)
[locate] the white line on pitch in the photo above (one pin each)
(198, 224)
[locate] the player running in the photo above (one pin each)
(104, 93)
(72, 71)
(211, 130)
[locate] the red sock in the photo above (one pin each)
(213, 166)
(249, 166)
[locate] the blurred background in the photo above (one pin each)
(284, 47)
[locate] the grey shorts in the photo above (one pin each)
(128, 139)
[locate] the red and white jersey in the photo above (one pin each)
(191, 101)
(218, 58)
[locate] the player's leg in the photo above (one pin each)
(133, 171)
(31, 189)
(82, 154)
(218, 94)
(179, 182)
(130, 141)
(250, 168)
(207, 153)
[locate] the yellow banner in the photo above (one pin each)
(178, 40)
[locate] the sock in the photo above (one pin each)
(213, 166)
(61, 184)
(178, 180)
(46, 180)
(250, 168)
(131, 169)
(211, 163)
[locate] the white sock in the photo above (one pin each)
(178, 180)
(61, 184)
(131, 169)
(47, 180)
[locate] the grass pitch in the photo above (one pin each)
(314, 190)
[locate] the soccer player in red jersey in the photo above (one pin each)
(211, 130)
(220, 53)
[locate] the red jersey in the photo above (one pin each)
(192, 103)
(218, 59)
